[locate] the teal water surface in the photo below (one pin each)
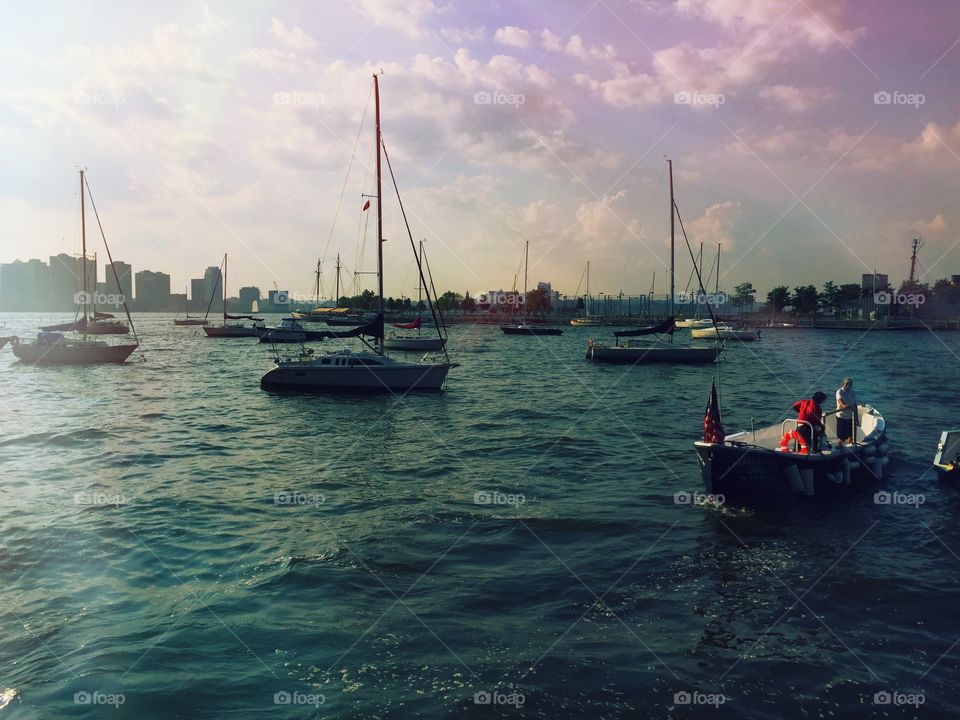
(178, 543)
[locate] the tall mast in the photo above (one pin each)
(336, 300)
(718, 269)
(587, 308)
(672, 213)
(83, 241)
(913, 261)
(376, 95)
(318, 282)
(224, 288)
(420, 286)
(526, 265)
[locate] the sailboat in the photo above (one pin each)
(418, 342)
(586, 320)
(661, 349)
(228, 329)
(522, 328)
(696, 321)
(188, 320)
(724, 331)
(339, 316)
(370, 370)
(52, 347)
(101, 323)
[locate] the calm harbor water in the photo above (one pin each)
(176, 538)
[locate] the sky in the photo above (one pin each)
(812, 139)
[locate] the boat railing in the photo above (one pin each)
(796, 425)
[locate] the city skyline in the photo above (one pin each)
(207, 131)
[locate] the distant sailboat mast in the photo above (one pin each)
(376, 95)
(672, 215)
(83, 240)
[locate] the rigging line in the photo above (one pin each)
(426, 261)
(413, 245)
(702, 292)
(582, 275)
(343, 190)
(363, 225)
(113, 267)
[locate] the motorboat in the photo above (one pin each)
(947, 459)
(772, 465)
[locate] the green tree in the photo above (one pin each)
(804, 299)
(829, 299)
(469, 304)
(537, 301)
(450, 300)
(744, 294)
(778, 298)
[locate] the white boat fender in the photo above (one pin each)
(876, 465)
(835, 477)
(870, 450)
(885, 460)
(847, 467)
(807, 475)
(793, 477)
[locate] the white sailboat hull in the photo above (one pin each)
(585, 322)
(724, 333)
(414, 344)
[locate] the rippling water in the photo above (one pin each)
(144, 553)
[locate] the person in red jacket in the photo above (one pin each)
(809, 411)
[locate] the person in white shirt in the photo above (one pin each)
(847, 412)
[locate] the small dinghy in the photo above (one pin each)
(772, 465)
(947, 460)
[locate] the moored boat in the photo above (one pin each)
(725, 332)
(231, 329)
(771, 465)
(522, 327)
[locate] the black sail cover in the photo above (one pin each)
(374, 328)
(667, 326)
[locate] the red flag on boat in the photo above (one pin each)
(415, 325)
(366, 206)
(712, 427)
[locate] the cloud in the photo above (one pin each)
(716, 225)
(407, 16)
(793, 98)
(936, 225)
(463, 35)
(513, 36)
(292, 37)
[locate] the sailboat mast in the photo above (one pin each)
(376, 95)
(672, 214)
(83, 241)
(318, 282)
(587, 308)
(336, 301)
(718, 270)
(224, 288)
(526, 265)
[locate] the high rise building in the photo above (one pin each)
(123, 272)
(63, 281)
(198, 298)
(248, 296)
(153, 290)
(874, 282)
(213, 286)
(25, 285)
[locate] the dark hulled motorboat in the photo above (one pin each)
(947, 460)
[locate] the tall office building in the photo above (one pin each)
(198, 296)
(123, 272)
(153, 290)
